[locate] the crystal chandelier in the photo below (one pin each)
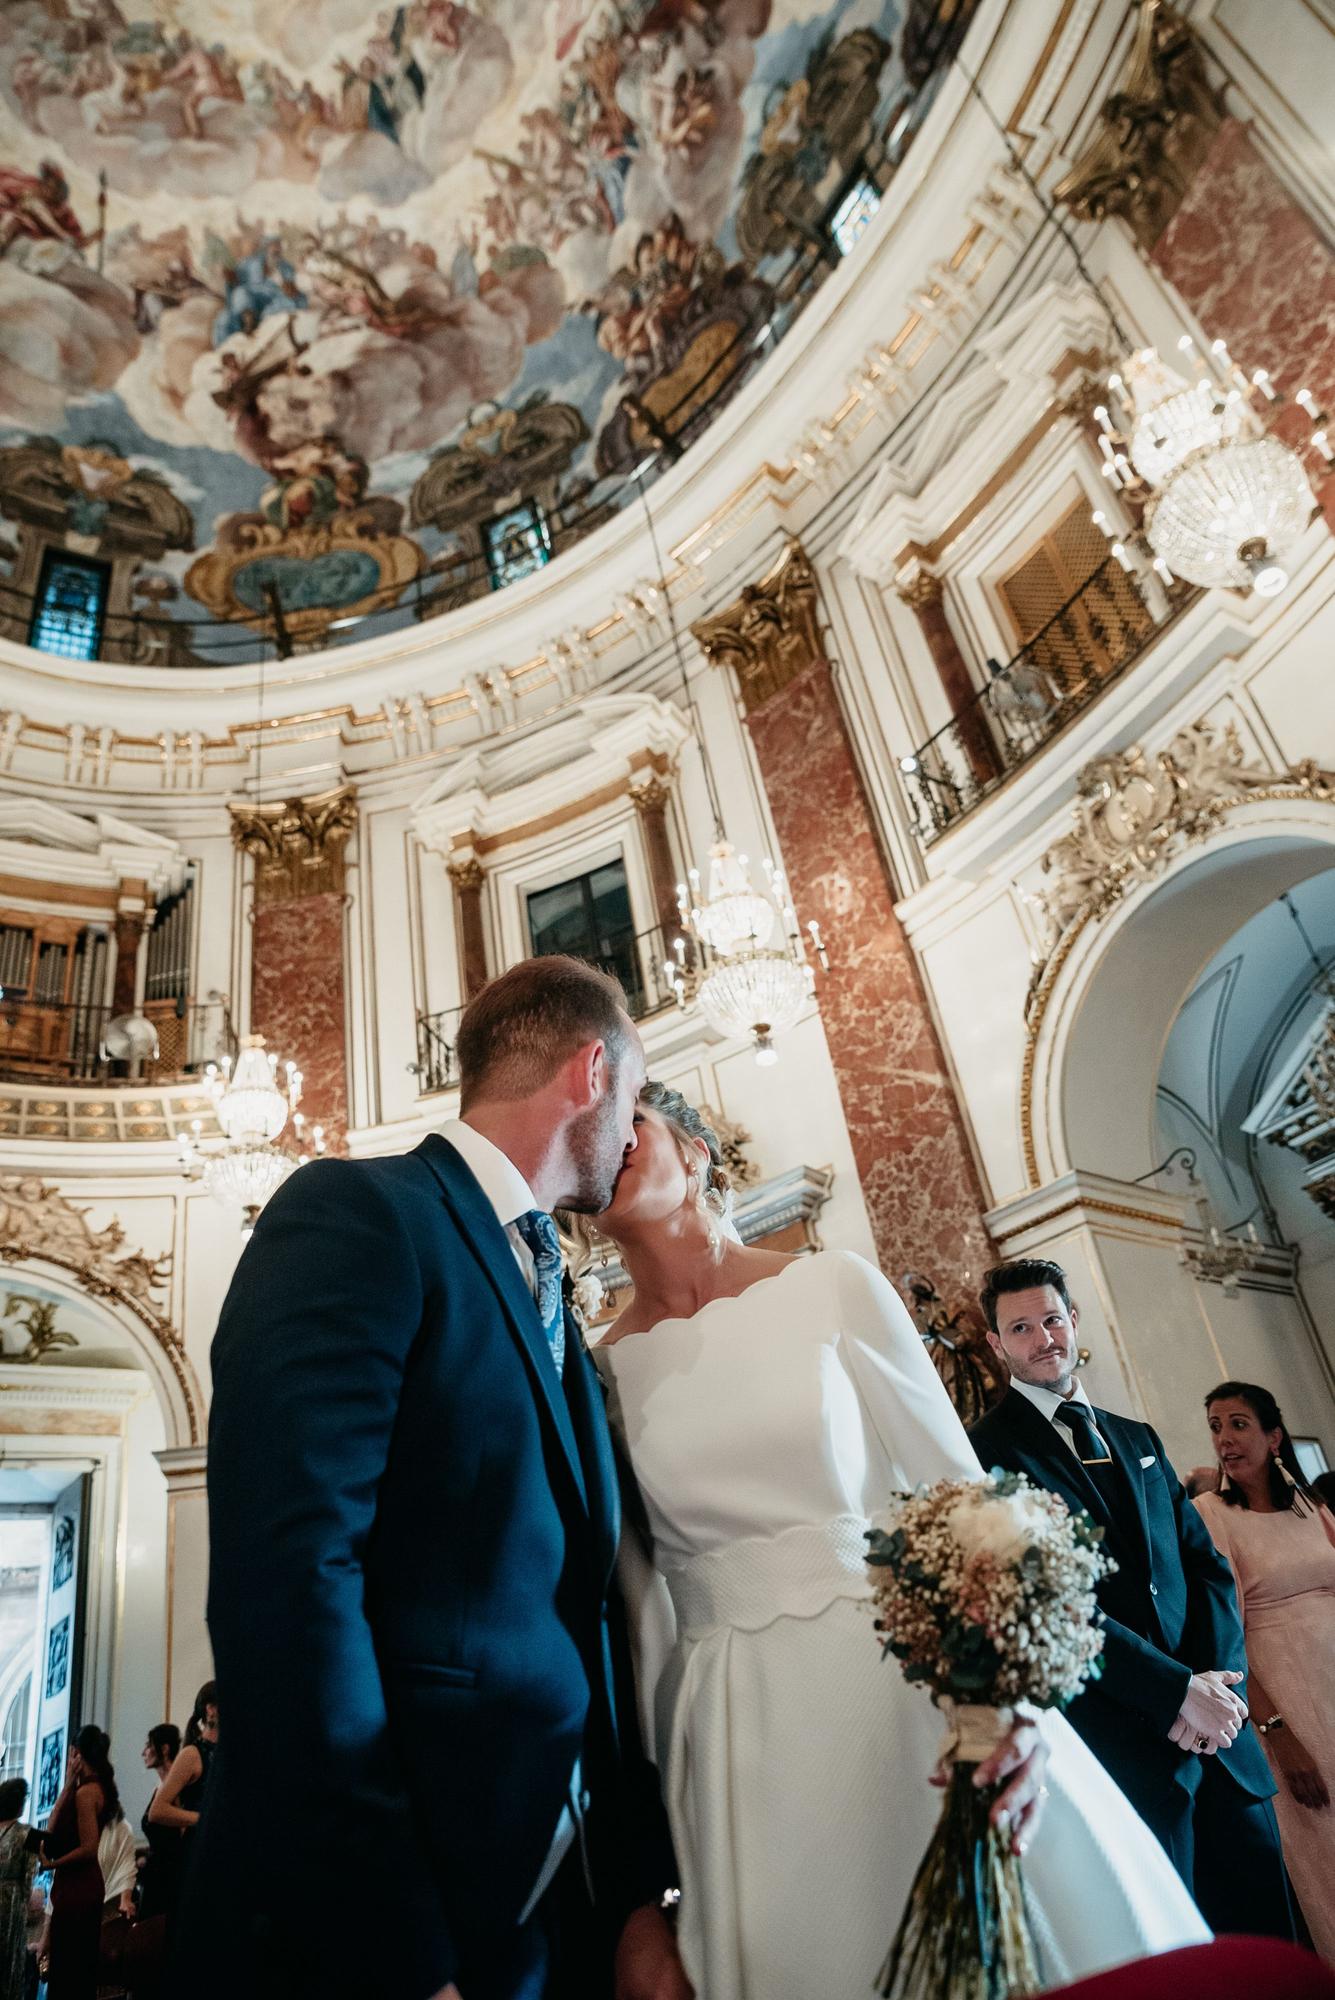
(1225, 500)
(253, 1110)
(742, 957)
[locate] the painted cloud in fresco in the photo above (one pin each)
(65, 333)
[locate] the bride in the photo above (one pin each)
(768, 1404)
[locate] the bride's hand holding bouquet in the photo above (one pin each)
(984, 1593)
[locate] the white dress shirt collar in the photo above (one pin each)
(494, 1171)
(1046, 1401)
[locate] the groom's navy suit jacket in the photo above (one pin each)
(1170, 1610)
(413, 1524)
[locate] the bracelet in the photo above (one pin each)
(1271, 1722)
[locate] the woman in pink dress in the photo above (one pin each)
(1280, 1541)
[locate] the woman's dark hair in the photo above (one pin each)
(13, 1797)
(206, 1699)
(1284, 1493)
(164, 1740)
(94, 1745)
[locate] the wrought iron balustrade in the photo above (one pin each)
(1095, 636)
(63, 1042)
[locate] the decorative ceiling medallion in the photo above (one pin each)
(321, 560)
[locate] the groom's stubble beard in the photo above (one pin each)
(597, 1151)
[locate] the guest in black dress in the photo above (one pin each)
(87, 1803)
(177, 1803)
(164, 1843)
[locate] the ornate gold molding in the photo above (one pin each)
(38, 1223)
(771, 633)
(467, 875)
(921, 590)
(1133, 815)
(1154, 131)
(651, 794)
(296, 845)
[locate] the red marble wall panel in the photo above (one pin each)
(1258, 274)
(913, 1158)
(297, 1002)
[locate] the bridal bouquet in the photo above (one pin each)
(984, 1592)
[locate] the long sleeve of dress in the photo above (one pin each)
(904, 1399)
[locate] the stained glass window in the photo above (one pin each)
(71, 599)
(853, 214)
(516, 543)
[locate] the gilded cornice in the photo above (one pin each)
(1154, 131)
(297, 844)
(771, 633)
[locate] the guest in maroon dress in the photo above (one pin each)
(88, 1801)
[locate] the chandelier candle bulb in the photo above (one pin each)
(1102, 523)
(1306, 401)
(1122, 557)
(1261, 381)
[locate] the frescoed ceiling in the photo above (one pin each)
(293, 293)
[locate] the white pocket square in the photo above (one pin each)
(1147, 1461)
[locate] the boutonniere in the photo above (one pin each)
(584, 1301)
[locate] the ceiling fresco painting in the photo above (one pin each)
(290, 288)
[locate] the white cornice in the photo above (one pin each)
(47, 843)
(496, 788)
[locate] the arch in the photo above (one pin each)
(152, 1338)
(1108, 995)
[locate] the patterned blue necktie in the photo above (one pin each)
(539, 1233)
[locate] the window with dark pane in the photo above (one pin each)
(71, 604)
(516, 543)
(590, 917)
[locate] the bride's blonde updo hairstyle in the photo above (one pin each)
(712, 1183)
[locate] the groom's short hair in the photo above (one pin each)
(523, 1025)
(1021, 1274)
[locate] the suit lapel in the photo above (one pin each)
(1128, 1460)
(584, 1394)
(476, 1219)
(1050, 1459)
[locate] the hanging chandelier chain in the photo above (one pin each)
(1051, 213)
(691, 707)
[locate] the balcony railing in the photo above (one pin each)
(60, 1042)
(1094, 638)
(636, 958)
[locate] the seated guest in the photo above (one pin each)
(1168, 1715)
(1280, 1541)
(17, 1863)
(1201, 1479)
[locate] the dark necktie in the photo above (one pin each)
(539, 1232)
(1090, 1446)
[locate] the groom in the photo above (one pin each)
(429, 1783)
(1168, 1715)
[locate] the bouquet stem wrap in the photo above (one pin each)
(965, 1933)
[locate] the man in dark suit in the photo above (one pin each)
(429, 1782)
(1167, 1716)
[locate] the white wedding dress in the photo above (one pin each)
(763, 1432)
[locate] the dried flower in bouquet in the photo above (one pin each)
(984, 1593)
